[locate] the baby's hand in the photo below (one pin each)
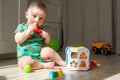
(32, 26)
(44, 34)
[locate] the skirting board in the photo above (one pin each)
(8, 56)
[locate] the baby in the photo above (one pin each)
(29, 43)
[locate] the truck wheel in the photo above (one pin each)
(94, 50)
(104, 51)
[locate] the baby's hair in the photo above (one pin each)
(39, 4)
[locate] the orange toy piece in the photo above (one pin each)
(83, 64)
(83, 55)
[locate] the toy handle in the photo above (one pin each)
(37, 30)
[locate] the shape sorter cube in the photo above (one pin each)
(77, 58)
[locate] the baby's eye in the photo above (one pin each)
(40, 18)
(34, 16)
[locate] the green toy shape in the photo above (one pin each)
(27, 68)
(54, 44)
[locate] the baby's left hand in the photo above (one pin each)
(44, 34)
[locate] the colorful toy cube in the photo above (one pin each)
(77, 58)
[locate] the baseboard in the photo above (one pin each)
(8, 56)
(13, 55)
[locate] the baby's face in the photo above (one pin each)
(35, 14)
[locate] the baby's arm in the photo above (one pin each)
(46, 37)
(20, 37)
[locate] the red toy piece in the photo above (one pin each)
(93, 63)
(37, 30)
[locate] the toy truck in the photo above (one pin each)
(101, 47)
(77, 58)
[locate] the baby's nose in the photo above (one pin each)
(37, 19)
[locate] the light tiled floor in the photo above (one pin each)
(108, 68)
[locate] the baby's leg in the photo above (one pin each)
(34, 64)
(41, 65)
(25, 60)
(47, 53)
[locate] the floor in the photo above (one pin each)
(108, 68)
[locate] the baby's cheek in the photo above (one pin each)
(31, 21)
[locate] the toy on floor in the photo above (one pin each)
(27, 68)
(101, 47)
(93, 63)
(77, 58)
(56, 72)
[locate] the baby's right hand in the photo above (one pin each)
(32, 26)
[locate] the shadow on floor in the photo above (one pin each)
(3, 78)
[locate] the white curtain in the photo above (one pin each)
(88, 21)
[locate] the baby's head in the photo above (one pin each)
(38, 4)
(36, 12)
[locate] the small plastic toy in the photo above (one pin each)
(59, 73)
(27, 68)
(77, 58)
(101, 47)
(37, 30)
(93, 63)
(54, 44)
(56, 72)
(52, 74)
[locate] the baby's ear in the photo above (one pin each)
(26, 14)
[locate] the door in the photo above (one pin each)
(11, 13)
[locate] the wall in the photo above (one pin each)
(11, 14)
(87, 21)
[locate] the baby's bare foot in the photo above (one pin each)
(62, 63)
(49, 65)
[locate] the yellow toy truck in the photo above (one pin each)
(101, 47)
